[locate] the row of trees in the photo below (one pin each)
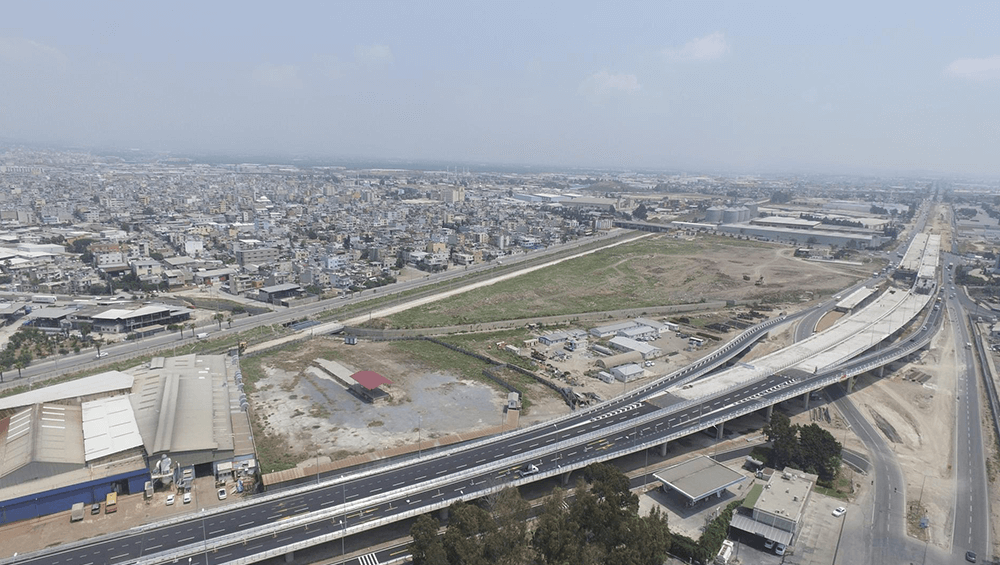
(598, 522)
(808, 448)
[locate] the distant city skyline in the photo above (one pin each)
(847, 88)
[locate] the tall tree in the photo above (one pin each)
(784, 440)
(427, 548)
(819, 452)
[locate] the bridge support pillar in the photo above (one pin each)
(805, 401)
(849, 384)
(443, 514)
(564, 478)
(290, 557)
(768, 412)
(663, 448)
(718, 431)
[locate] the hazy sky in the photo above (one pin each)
(748, 86)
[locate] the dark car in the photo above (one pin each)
(970, 556)
(95, 508)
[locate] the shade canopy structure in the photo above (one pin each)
(370, 379)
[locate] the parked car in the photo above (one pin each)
(768, 544)
(170, 499)
(839, 511)
(222, 493)
(779, 549)
(95, 508)
(187, 497)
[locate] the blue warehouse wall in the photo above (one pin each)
(62, 499)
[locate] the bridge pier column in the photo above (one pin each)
(768, 412)
(564, 478)
(718, 431)
(443, 514)
(290, 557)
(663, 448)
(805, 401)
(849, 384)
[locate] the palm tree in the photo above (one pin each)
(19, 365)
(219, 316)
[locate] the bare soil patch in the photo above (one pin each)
(913, 406)
(302, 411)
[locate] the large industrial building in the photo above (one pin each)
(162, 423)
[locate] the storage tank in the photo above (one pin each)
(730, 216)
(713, 215)
(744, 214)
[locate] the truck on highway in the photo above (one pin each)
(43, 299)
(528, 470)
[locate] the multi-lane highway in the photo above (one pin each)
(276, 523)
(167, 341)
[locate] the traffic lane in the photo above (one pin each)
(238, 519)
(970, 512)
(474, 487)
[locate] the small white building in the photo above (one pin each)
(625, 344)
(627, 373)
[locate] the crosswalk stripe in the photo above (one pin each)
(369, 559)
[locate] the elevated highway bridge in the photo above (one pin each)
(677, 405)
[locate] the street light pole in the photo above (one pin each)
(343, 492)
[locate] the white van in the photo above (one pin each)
(202, 335)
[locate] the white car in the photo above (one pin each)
(101, 354)
(222, 494)
(779, 549)
(170, 500)
(768, 544)
(187, 497)
(839, 511)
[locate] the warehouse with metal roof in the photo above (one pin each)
(45, 458)
(182, 407)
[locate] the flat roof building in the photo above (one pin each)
(773, 511)
(698, 479)
(626, 344)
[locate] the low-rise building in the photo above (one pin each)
(626, 344)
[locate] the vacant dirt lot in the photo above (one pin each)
(657, 270)
(301, 411)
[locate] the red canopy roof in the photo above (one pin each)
(370, 379)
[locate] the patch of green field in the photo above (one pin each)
(438, 358)
(648, 272)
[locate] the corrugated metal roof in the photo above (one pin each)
(767, 531)
(370, 379)
(108, 381)
(109, 427)
(184, 406)
(43, 433)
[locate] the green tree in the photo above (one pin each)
(461, 541)
(557, 539)
(218, 317)
(427, 548)
(176, 328)
(85, 329)
(784, 440)
(506, 539)
(819, 452)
